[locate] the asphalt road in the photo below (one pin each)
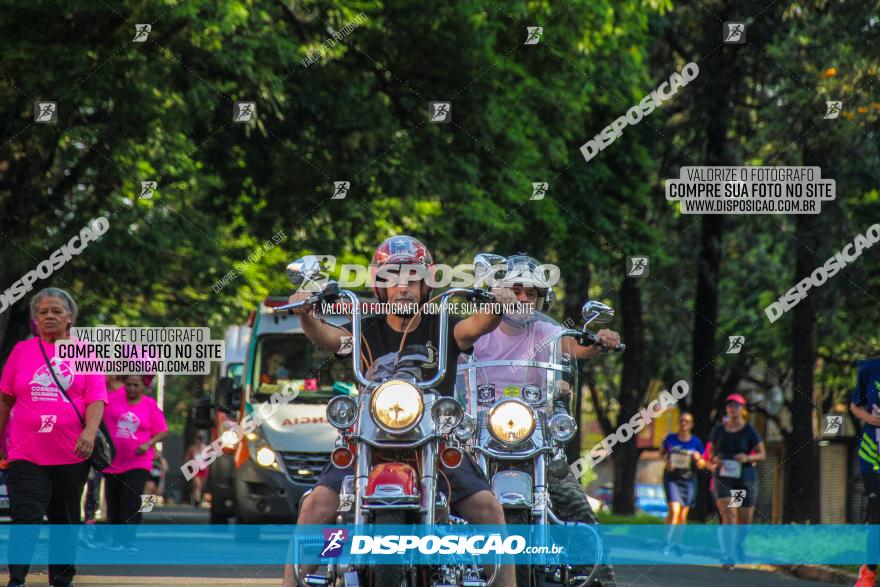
(627, 576)
(270, 575)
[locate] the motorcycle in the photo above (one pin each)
(519, 440)
(395, 433)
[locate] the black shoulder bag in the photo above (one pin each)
(103, 452)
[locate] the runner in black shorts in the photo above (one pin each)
(736, 447)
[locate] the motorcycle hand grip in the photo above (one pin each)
(481, 295)
(588, 338)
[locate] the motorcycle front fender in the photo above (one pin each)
(390, 480)
(514, 489)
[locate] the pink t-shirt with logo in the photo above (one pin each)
(130, 426)
(532, 345)
(43, 426)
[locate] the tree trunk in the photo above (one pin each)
(575, 290)
(802, 451)
(632, 393)
(703, 388)
(715, 93)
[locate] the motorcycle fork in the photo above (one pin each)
(361, 473)
(430, 471)
(539, 472)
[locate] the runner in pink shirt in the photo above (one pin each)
(136, 424)
(47, 445)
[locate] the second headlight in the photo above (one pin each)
(447, 414)
(511, 421)
(341, 412)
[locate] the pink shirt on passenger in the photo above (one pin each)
(130, 426)
(43, 427)
(532, 345)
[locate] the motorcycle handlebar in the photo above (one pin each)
(332, 291)
(589, 338)
(329, 293)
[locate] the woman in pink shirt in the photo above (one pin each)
(136, 424)
(47, 445)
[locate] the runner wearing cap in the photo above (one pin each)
(736, 447)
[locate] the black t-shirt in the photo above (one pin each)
(728, 444)
(384, 340)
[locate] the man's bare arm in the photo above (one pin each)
(470, 329)
(326, 336)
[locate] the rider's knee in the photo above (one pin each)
(320, 505)
(487, 508)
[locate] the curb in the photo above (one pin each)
(822, 573)
(818, 573)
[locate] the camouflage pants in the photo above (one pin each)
(569, 499)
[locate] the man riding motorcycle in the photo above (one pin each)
(471, 496)
(521, 336)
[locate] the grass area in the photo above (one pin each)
(608, 518)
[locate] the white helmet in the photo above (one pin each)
(519, 269)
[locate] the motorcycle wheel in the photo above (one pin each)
(526, 575)
(388, 575)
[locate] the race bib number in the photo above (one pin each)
(512, 391)
(486, 394)
(680, 460)
(730, 468)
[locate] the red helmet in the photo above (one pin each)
(400, 250)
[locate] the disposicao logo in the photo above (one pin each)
(333, 542)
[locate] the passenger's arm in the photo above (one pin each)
(610, 340)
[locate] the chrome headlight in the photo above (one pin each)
(531, 394)
(342, 412)
(511, 421)
(397, 406)
(446, 413)
(466, 427)
(562, 427)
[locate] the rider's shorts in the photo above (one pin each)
(464, 480)
(726, 486)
